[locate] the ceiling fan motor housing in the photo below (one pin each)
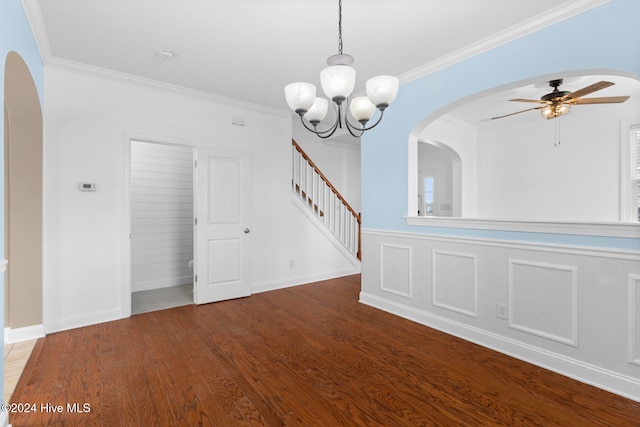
(556, 94)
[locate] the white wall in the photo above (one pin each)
(523, 174)
(88, 121)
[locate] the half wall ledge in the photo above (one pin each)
(602, 229)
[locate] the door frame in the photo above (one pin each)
(125, 289)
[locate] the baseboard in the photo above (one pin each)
(83, 320)
(301, 280)
(4, 419)
(14, 335)
(611, 381)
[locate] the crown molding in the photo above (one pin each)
(72, 66)
(560, 13)
(34, 17)
(553, 16)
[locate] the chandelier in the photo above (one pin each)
(338, 80)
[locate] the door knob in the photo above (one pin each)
(246, 231)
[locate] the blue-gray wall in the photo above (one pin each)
(604, 38)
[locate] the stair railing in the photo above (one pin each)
(324, 201)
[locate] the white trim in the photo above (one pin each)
(604, 229)
(126, 288)
(571, 340)
(23, 334)
(634, 314)
(73, 322)
(34, 17)
(409, 293)
(273, 285)
(3, 265)
(544, 247)
(434, 281)
(4, 419)
(558, 14)
(510, 34)
(623, 385)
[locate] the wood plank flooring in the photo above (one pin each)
(304, 356)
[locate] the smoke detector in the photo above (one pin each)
(165, 54)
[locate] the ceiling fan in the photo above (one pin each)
(559, 102)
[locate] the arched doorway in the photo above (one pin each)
(23, 201)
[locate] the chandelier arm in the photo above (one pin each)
(322, 133)
(351, 127)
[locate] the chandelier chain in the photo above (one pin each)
(340, 27)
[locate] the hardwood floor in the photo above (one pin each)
(309, 355)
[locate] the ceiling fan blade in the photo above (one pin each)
(518, 112)
(589, 89)
(603, 100)
(537, 101)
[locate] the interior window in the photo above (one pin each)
(635, 172)
(428, 195)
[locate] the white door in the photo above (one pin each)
(222, 230)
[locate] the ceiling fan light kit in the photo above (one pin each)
(338, 81)
(555, 110)
(558, 103)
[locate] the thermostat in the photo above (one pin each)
(87, 186)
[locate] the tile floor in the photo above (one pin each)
(160, 299)
(15, 359)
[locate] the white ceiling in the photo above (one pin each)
(248, 50)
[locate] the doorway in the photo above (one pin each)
(162, 225)
(22, 202)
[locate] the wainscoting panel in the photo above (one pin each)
(634, 319)
(543, 300)
(455, 282)
(572, 309)
(395, 269)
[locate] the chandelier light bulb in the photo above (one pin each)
(318, 111)
(338, 82)
(300, 96)
(362, 109)
(382, 90)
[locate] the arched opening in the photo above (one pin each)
(518, 166)
(439, 176)
(22, 196)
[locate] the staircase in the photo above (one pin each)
(324, 201)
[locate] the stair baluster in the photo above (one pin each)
(324, 201)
